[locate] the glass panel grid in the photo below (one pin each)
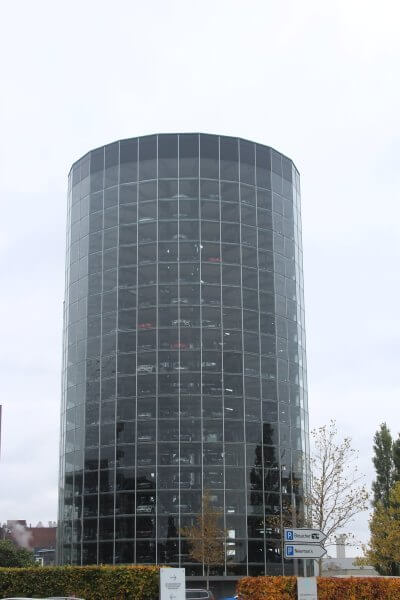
(192, 281)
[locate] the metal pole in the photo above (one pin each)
(294, 521)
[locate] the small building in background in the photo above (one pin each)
(346, 567)
(40, 539)
(343, 566)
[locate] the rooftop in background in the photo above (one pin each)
(346, 567)
(32, 538)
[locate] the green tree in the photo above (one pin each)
(12, 556)
(384, 465)
(383, 550)
(396, 459)
(206, 538)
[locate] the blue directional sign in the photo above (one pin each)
(304, 551)
(303, 535)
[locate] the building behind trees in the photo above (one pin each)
(39, 539)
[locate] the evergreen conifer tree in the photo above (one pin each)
(396, 459)
(384, 465)
(383, 550)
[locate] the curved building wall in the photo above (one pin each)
(184, 351)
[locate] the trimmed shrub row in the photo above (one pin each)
(329, 588)
(90, 583)
(142, 583)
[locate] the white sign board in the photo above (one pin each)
(172, 584)
(307, 588)
(304, 536)
(304, 551)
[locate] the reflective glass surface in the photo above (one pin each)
(184, 362)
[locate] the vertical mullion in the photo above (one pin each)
(179, 362)
(259, 368)
(84, 429)
(62, 445)
(201, 328)
(116, 353)
(243, 387)
(276, 379)
(136, 346)
(156, 368)
(222, 353)
(100, 368)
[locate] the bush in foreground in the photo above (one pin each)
(91, 583)
(329, 588)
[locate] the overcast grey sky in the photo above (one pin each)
(317, 80)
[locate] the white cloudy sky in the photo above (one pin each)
(317, 80)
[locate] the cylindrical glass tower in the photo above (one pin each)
(184, 364)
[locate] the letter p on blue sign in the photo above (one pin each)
(289, 535)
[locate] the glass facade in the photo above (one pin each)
(184, 364)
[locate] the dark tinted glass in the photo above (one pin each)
(148, 157)
(184, 351)
(96, 169)
(229, 150)
(209, 151)
(188, 155)
(128, 160)
(167, 156)
(247, 162)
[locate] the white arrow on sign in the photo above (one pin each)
(304, 551)
(303, 535)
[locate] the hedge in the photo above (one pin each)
(90, 583)
(329, 588)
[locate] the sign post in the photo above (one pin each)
(304, 543)
(172, 584)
